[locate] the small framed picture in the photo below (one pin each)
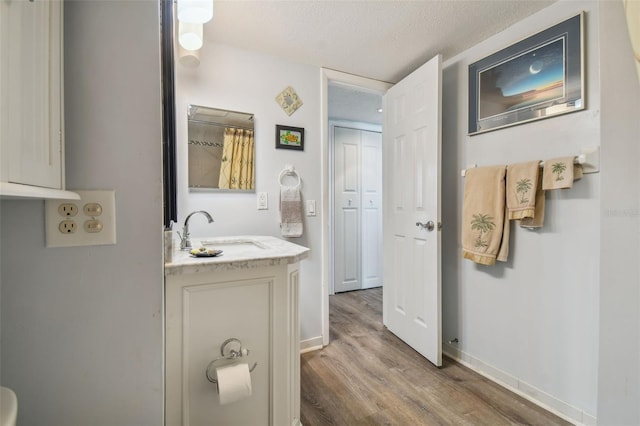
(289, 137)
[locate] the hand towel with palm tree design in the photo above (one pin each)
(537, 221)
(558, 173)
(522, 182)
(485, 229)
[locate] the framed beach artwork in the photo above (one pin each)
(538, 77)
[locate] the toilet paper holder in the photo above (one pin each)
(230, 349)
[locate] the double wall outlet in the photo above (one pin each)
(86, 222)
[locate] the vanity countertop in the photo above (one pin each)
(238, 252)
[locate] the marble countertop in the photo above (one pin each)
(238, 252)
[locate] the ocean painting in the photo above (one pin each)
(537, 76)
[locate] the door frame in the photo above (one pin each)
(364, 84)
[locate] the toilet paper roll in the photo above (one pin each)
(234, 383)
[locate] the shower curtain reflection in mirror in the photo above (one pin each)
(220, 149)
(236, 169)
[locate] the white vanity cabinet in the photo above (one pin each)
(247, 294)
(31, 95)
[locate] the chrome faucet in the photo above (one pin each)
(185, 242)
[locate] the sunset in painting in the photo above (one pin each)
(535, 77)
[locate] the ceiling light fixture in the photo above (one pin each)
(195, 11)
(190, 35)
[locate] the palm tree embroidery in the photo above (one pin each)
(482, 223)
(557, 169)
(523, 186)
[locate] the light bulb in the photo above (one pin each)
(190, 35)
(195, 11)
(189, 59)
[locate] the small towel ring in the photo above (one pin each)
(289, 171)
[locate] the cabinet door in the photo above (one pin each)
(31, 118)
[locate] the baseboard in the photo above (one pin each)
(531, 393)
(312, 344)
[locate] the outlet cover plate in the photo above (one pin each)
(107, 218)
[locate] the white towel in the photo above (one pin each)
(290, 211)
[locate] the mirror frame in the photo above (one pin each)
(168, 114)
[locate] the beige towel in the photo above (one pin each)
(483, 216)
(537, 221)
(558, 173)
(577, 172)
(522, 179)
(290, 211)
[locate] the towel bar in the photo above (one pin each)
(589, 159)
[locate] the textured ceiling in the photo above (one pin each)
(379, 39)
(383, 40)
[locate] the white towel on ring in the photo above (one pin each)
(290, 211)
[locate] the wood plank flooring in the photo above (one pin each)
(367, 376)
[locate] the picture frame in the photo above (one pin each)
(539, 77)
(288, 137)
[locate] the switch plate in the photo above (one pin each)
(93, 224)
(263, 201)
(311, 207)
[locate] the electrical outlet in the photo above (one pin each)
(68, 209)
(67, 226)
(87, 222)
(263, 201)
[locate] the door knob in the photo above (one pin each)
(429, 226)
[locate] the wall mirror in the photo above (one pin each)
(221, 149)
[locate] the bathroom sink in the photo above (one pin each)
(234, 245)
(236, 251)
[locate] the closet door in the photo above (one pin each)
(371, 148)
(347, 234)
(358, 209)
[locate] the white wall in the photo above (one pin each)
(619, 363)
(531, 322)
(82, 327)
(239, 80)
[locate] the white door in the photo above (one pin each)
(411, 173)
(347, 271)
(371, 209)
(358, 208)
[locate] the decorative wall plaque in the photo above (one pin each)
(289, 101)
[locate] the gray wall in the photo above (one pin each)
(82, 327)
(619, 355)
(530, 322)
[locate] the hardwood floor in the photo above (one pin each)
(367, 376)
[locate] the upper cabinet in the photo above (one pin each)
(31, 96)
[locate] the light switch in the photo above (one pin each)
(263, 201)
(311, 207)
